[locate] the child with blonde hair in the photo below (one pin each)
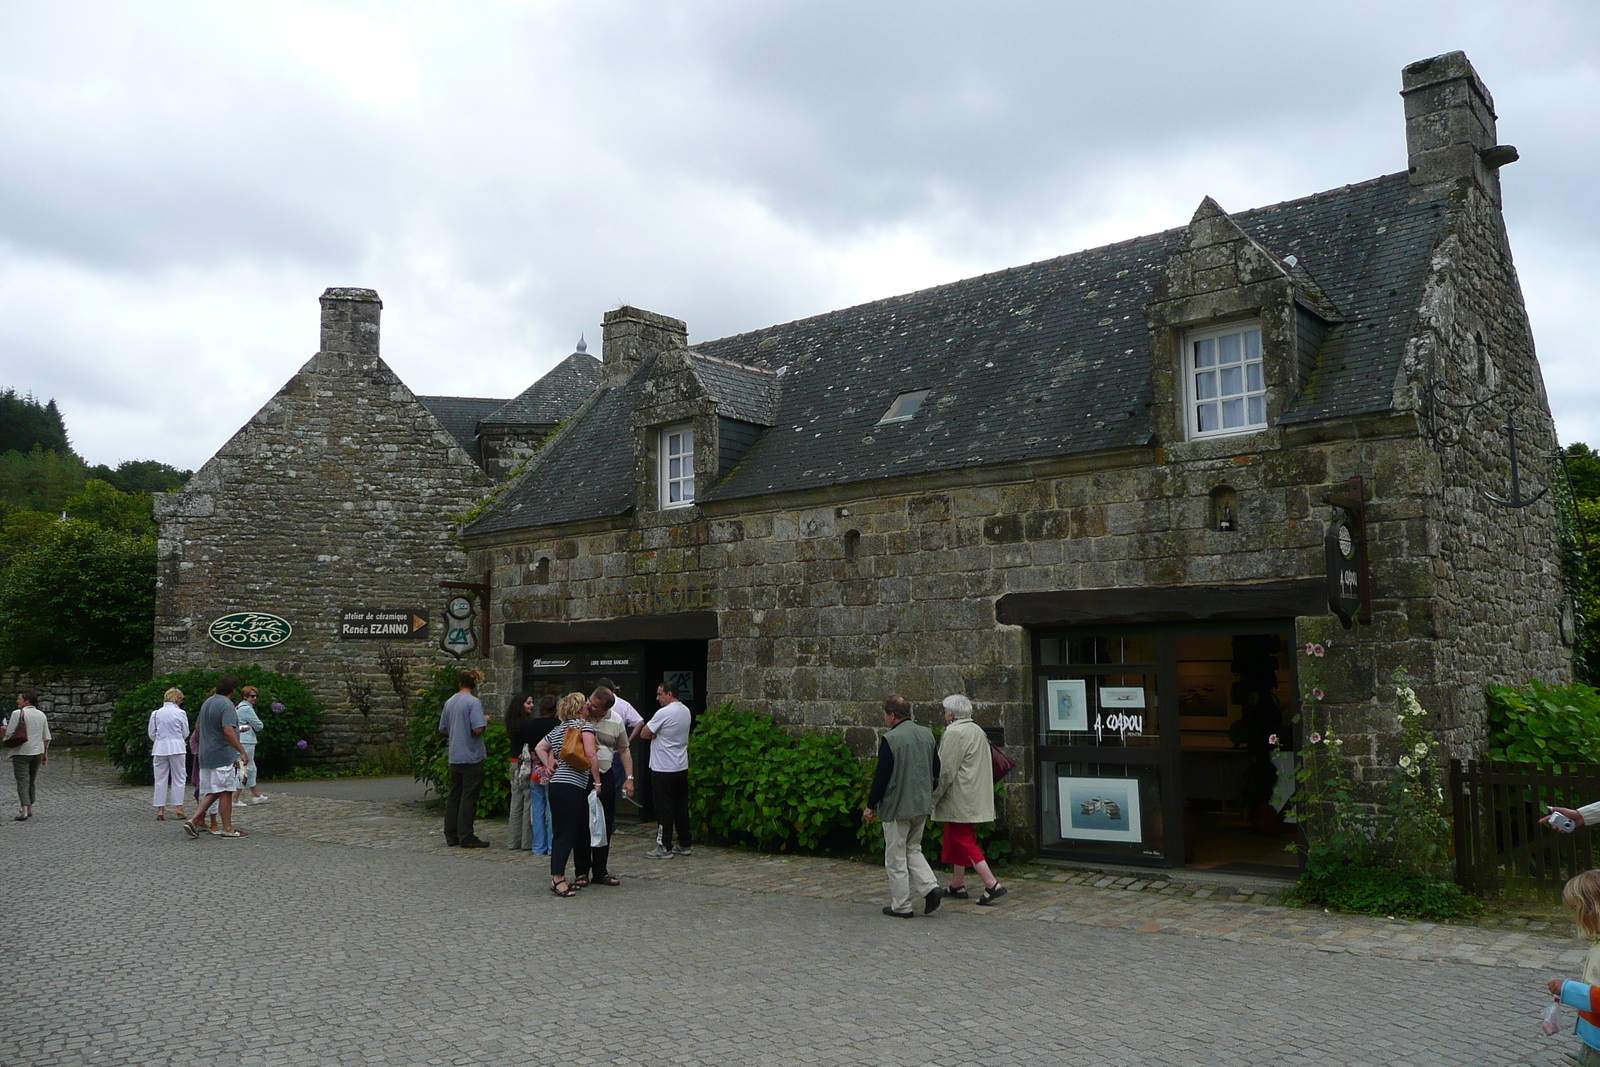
(1582, 895)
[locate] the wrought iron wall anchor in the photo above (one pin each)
(1449, 436)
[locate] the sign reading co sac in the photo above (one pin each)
(389, 623)
(250, 630)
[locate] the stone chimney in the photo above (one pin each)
(630, 336)
(350, 321)
(1450, 134)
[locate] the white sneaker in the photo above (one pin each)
(262, 799)
(659, 853)
(679, 850)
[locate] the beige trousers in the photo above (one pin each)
(909, 874)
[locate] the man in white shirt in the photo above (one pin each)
(668, 731)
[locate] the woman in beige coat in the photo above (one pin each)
(965, 796)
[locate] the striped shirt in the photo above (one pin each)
(566, 775)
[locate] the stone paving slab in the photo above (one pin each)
(340, 934)
(1039, 894)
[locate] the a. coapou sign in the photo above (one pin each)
(250, 629)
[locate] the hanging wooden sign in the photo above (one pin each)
(1345, 547)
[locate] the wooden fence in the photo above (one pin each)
(1501, 849)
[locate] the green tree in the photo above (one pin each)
(141, 476)
(80, 596)
(25, 425)
(1583, 469)
(39, 480)
(100, 503)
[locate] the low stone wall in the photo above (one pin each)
(78, 707)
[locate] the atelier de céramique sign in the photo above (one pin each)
(393, 624)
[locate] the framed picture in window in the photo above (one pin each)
(1100, 809)
(1067, 701)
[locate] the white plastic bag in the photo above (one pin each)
(1550, 1021)
(597, 822)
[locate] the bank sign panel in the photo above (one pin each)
(250, 630)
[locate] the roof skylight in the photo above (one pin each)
(905, 405)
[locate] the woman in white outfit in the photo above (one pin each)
(168, 728)
(250, 727)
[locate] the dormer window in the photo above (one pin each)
(677, 466)
(1224, 381)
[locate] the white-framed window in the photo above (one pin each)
(677, 466)
(1224, 387)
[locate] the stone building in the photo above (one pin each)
(340, 497)
(1088, 492)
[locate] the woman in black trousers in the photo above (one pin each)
(569, 795)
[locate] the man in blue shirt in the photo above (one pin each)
(463, 720)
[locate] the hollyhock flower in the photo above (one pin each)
(1316, 693)
(1272, 740)
(1316, 650)
(1316, 739)
(1405, 761)
(1309, 647)
(1420, 748)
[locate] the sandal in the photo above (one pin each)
(958, 892)
(607, 879)
(581, 883)
(160, 817)
(561, 889)
(992, 894)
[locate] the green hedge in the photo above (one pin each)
(1539, 723)
(752, 783)
(288, 710)
(430, 750)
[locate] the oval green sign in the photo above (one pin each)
(250, 629)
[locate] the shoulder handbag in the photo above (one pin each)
(572, 753)
(20, 738)
(1002, 763)
(524, 765)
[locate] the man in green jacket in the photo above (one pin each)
(901, 800)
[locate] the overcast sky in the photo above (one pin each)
(179, 182)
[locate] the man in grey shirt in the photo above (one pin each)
(216, 731)
(463, 720)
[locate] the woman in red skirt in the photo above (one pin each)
(965, 797)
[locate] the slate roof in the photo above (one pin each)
(555, 396)
(461, 415)
(1042, 360)
(743, 392)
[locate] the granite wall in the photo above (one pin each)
(340, 493)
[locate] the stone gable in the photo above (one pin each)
(338, 494)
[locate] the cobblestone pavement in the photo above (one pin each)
(345, 932)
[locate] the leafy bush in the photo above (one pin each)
(430, 750)
(278, 751)
(80, 595)
(1405, 893)
(752, 783)
(1540, 723)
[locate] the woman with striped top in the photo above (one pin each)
(569, 794)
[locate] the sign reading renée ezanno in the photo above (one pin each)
(390, 623)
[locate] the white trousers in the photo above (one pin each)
(909, 874)
(171, 777)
